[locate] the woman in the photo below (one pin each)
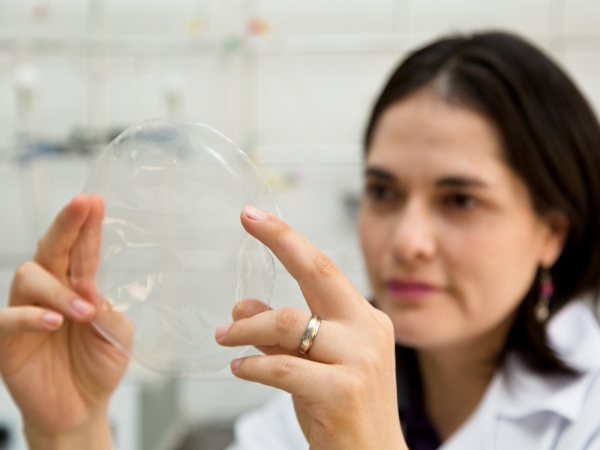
(478, 228)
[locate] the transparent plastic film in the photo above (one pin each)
(172, 259)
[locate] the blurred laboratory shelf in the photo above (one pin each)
(261, 45)
(157, 45)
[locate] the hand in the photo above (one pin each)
(344, 391)
(59, 370)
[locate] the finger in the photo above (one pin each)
(284, 328)
(114, 326)
(276, 350)
(21, 319)
(55, 246)
(34, 285)
(295, 375)
(85, 254)
(248, 308)
(87, 289)
(326, 289)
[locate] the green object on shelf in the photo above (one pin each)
(232, 43)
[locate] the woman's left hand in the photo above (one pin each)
(344, 390)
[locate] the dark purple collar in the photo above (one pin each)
(419, 432)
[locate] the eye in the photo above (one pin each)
(461, 201)
(380, 192)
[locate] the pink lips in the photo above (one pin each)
(409, 290)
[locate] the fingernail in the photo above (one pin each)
(82, 308)
(255, 213)
(52, 319)
(235, 364)
(222, 331)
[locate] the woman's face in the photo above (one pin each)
(450, 238)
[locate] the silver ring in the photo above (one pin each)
(309, 335)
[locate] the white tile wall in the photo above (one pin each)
(62, 98)
(584, 68)
(53, 183)
(133, 89)
(16, 229)
(314, 206)
(318, 99)
(582, 16)
(55, 18)
(328, 17)
(136, 88)
(439, 16)
(139, 17)
(7, 105)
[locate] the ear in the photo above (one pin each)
(557, 227)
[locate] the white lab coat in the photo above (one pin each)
(518, 412)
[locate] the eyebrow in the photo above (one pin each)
(449, 181)
(460, 181)
(379, 173)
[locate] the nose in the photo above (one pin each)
(414, 239)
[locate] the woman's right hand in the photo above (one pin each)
(344, 390)
(57, 367)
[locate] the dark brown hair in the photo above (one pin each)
(551, 139)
